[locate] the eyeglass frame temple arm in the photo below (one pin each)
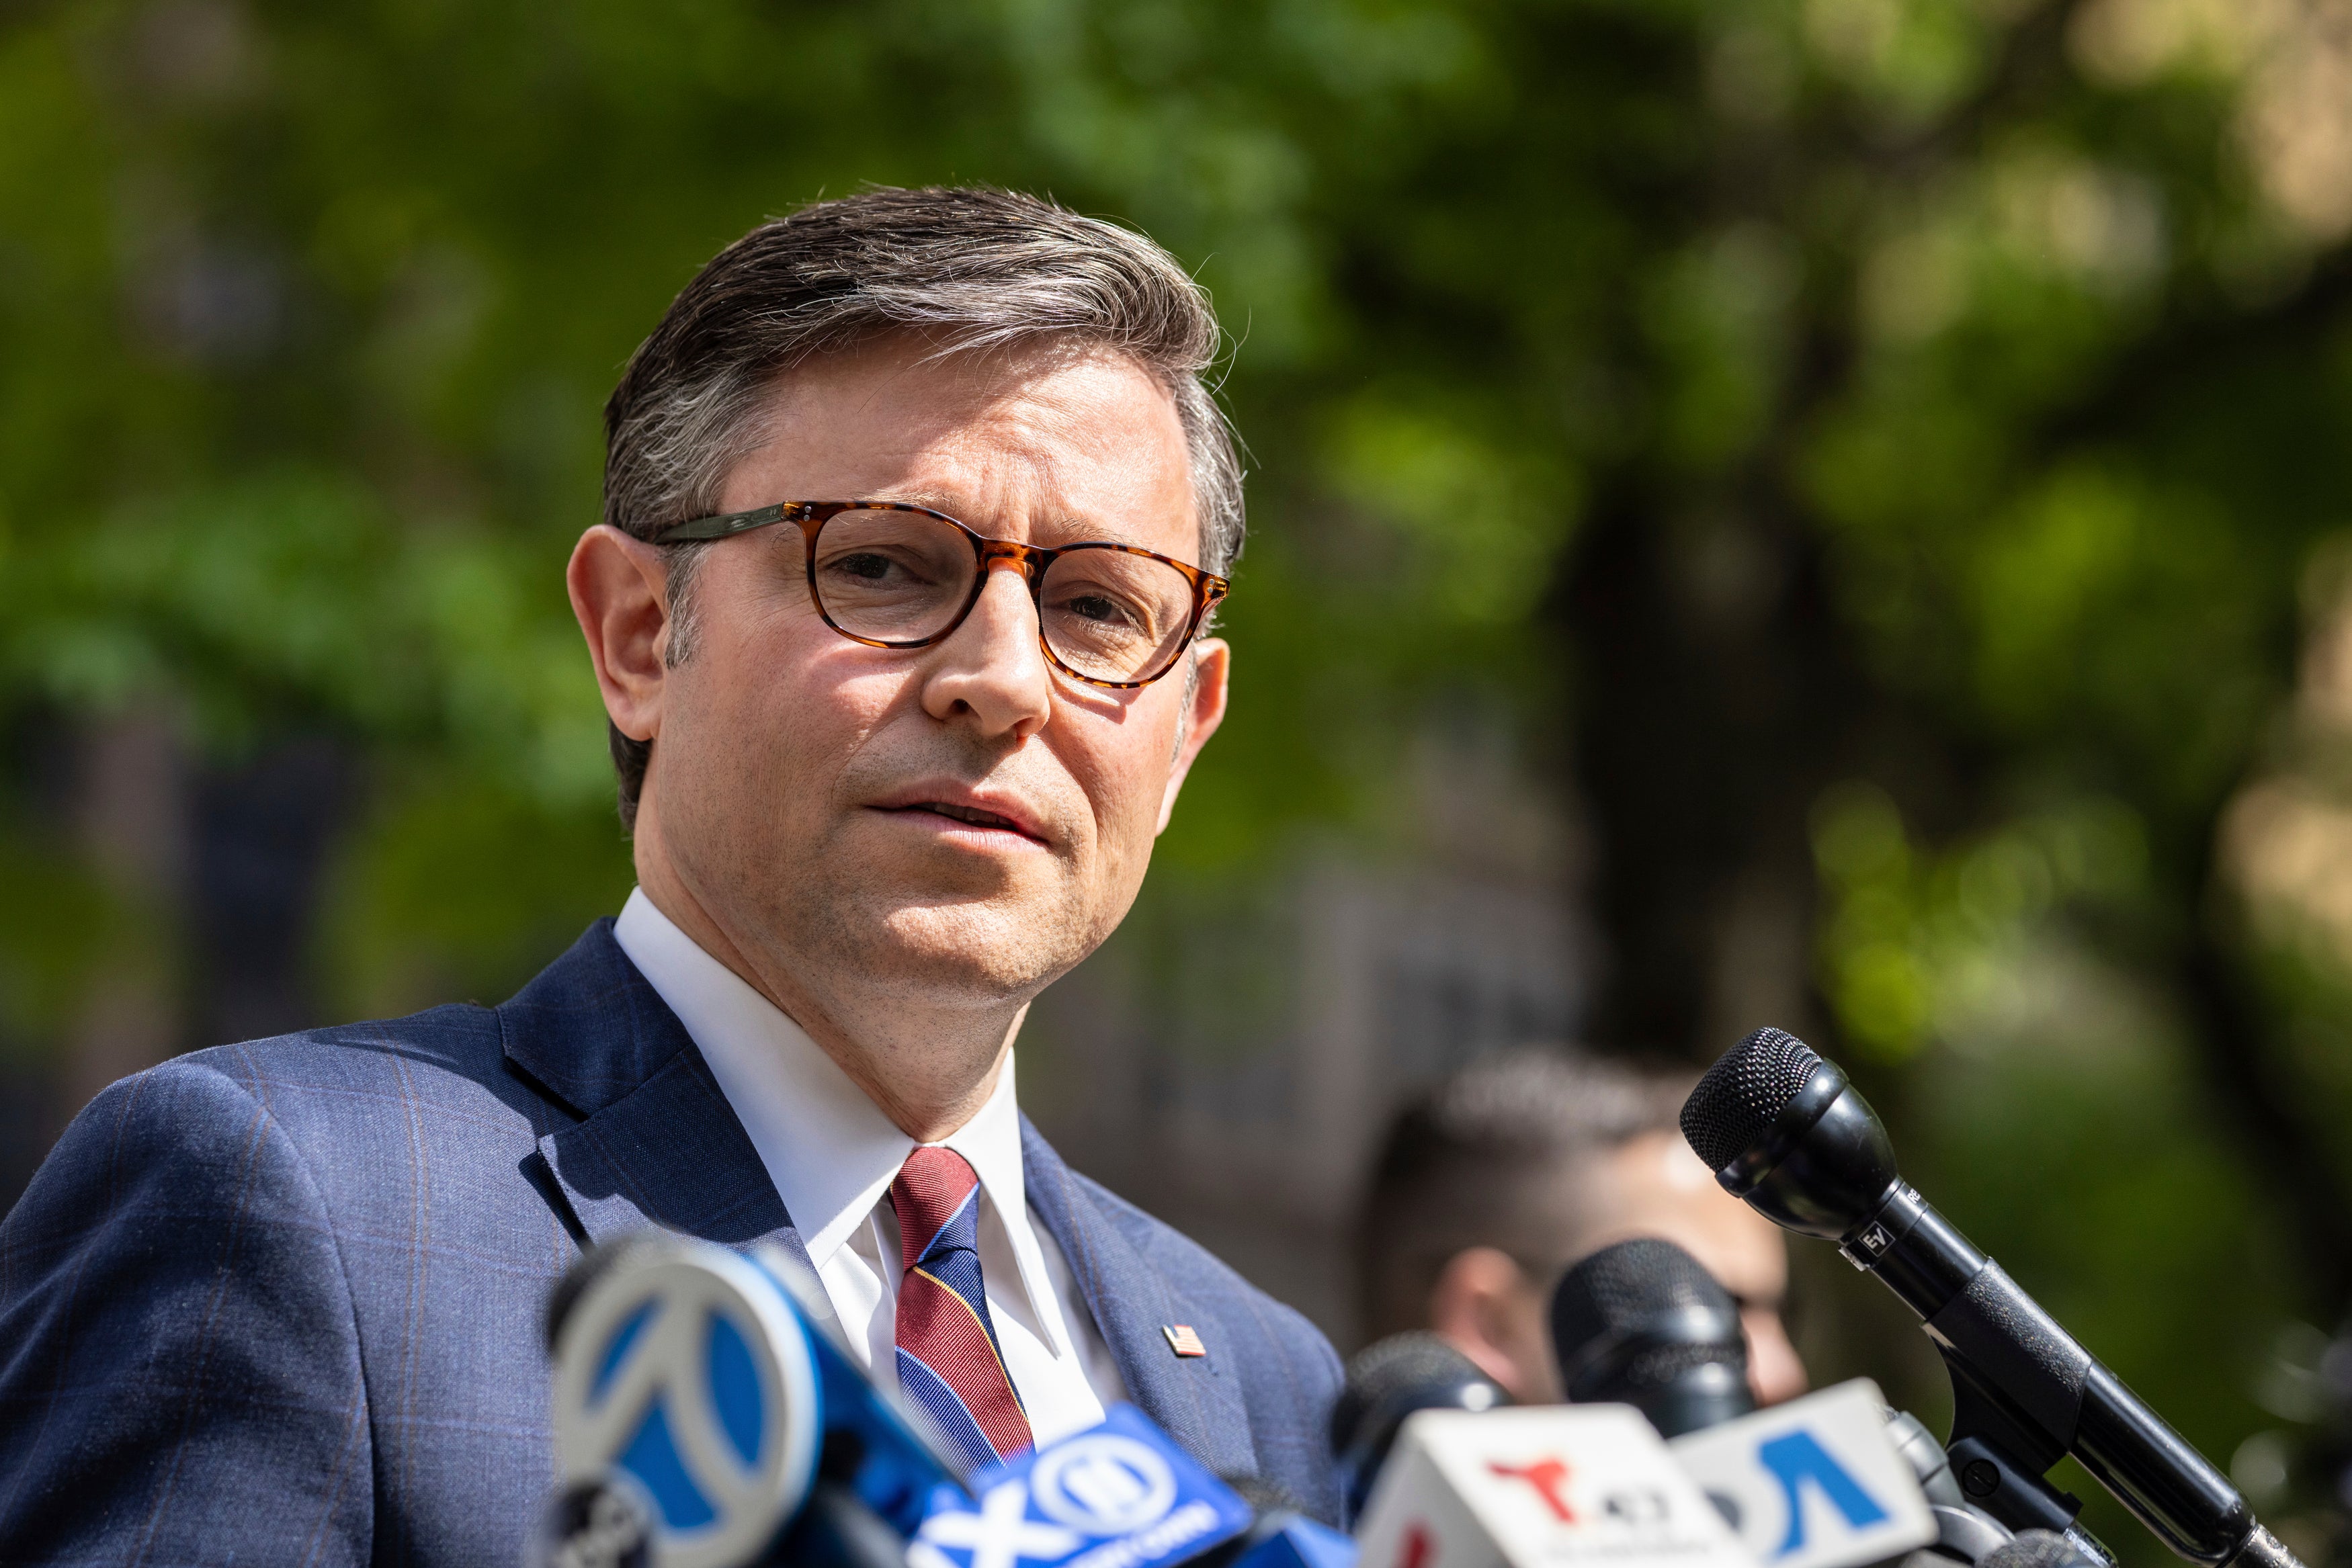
(721, 526)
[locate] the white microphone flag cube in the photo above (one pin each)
(1562, 1485)
(1815, 1483)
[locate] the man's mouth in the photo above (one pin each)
(973, 814)
(970, 817)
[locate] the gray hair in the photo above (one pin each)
(970, 269)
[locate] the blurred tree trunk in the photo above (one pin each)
(132, 815)
(1714, 704)
(1720, 692)
(2244, 1067)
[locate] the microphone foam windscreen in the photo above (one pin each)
(1621, 1290)
(2037, 1549)
(1736, 1104)
(1395, 1365)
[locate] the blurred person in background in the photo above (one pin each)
(1493, 1182)
(914, 503)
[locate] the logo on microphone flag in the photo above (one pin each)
(1815, 1483)
(1561, 1486)
(686, 1393)
(1548, 1475)
(1119, 1495)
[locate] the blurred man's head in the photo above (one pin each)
(1493, 1182)
(894, 765)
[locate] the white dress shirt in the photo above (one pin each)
(833, 1154)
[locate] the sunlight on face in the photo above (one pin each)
(956, 820)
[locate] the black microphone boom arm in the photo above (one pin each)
(2024, 1391)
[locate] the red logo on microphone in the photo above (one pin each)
(1549, 1478)
(1417, 1550)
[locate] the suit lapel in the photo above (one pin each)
(656, 1142)
(1197, 1399)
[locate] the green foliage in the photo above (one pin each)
(405, 928)
(2030, 319)
(1920, 945)
(59, 924)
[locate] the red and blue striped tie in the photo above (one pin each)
(950, 1363)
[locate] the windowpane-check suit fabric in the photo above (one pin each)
(280, 1301)
(949, 1362)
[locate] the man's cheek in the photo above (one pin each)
(1127, 812)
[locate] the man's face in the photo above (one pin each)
(1496, 1312)
(1654, 1185)
(960, 823)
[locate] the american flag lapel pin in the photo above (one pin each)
(1182, 1340)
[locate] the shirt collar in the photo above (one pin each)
(991, 1142)
(830, 1150)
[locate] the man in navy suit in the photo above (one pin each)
(915, 515)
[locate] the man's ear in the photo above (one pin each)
(1484, 1306)
(1204, 709)
(619, 593)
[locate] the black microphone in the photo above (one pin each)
(1280, 1535)
(1642, 1323)
(1783, 1130)
(1385, 1383)
(1271, 1509)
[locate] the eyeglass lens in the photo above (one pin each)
(903, 577)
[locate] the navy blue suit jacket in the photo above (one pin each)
(279, 1302)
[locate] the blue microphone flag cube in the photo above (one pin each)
(1119, 1495)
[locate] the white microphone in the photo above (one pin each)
(1561, 1486)
(1815, 1483)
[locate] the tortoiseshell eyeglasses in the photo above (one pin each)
(892, 575)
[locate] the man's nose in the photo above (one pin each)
(1775, 1371)
(991, 667)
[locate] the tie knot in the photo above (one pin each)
(932, 1194)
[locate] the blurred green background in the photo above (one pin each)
(1878, 471)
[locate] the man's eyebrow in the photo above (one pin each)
(1063, 524)
(915, 495)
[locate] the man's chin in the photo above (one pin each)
(988, 950)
